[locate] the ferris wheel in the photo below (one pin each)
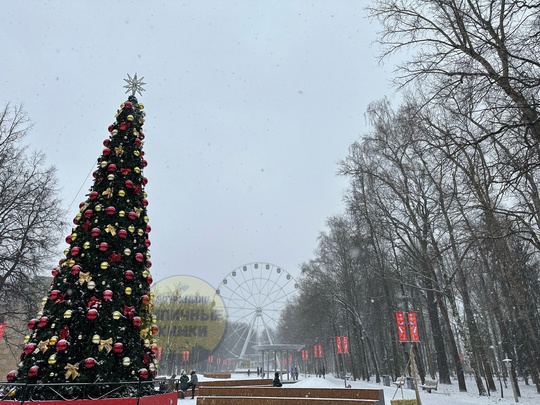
(254, 296)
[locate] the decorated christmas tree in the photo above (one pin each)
(96, 324)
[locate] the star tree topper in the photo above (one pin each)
(134, 85)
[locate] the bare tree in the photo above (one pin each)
(31, 218)
(489, 46)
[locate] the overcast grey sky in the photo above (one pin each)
(250, 104)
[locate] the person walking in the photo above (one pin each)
(194, 380)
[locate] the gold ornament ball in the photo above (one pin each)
(121, 193)
(145, 273)
(145, 195)
(127, 251)
(122, 214)
(66, 251)
(154, 318)
(96, 339)
(126, 361)
(51, 374)
(141, 106)
(110, 177)
(104, 265)
(146, 342)
(73, 236)
(146, 219)
(98, 207)
(128, 291)
(137, 170)
(68, 314)
(86, 245)
(26, 339)
(104, 164)
(136, 152)
(131, 228)
(52, 359)
(116, 315)
(148, 255)
(79, 337)
(53, 340)
(44, 300)
(91, 285)
(114, 132)
(71, 262)
(140, 232)
(152, 296)
(130, 117)
(78, 216)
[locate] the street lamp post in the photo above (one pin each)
(508, 363)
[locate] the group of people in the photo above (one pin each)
(183, 384)
(188, 382)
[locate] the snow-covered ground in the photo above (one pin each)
(445, 395)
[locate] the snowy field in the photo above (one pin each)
(445, 395)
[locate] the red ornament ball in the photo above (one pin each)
(148, 228)
(110, 210)
(149, 280)
(61, 345)
(106, 152)
(127, 104)
(54, 294)
(129, 274)
(106, 142)
(75, 251)
(148, 264)
(107, 295)
(147, 242)
(75, 269)
(110, 128)
(122, 233)
(139, 257)
(103, 246)
(88, 213)
(136, 321)
(95, 232)
(118, 347)
(33, 372)
(11, 376)
(132, 215)
(143, 373)
(54, 271)
(94, 195)
(29, 348)
(111, 168)
(92, 314)
(145, 202)
(43, 321)
(145, 299)
(129, 184)
(89, 362)
(68, 238)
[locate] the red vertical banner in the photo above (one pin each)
(210, 359)
(345, 344)
(290, 358)
(338, 344)
(159, 352)
(413, 327)
(402, 330)
(315, 351)
(185, 355)
(320, 350)
(2, 329)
